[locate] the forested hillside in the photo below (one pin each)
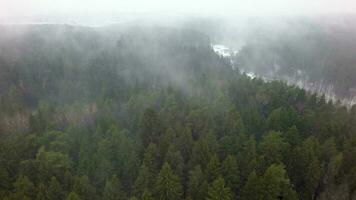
(153, 113)
(318, 52)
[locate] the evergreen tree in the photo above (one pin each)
(185, 143)
(276, 184)
(144, 180)
(213, 170)
(253, 188)
(73, 196)
(146, 195)
(41, 192)
(231, 173)
(218, 191)
(204, 149)
(273, 148)
(151, 158)
(113, 190)
(247, 157)
(83, 187)
(168, 186)
(150, 127)
(104, 167)
(55, 190)
(198, 185)
(23, 189)
(175, 160)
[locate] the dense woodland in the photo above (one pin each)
(316, 50)
(153, 113)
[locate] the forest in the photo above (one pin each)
(150, 112)
(320, 51)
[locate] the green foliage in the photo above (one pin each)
(109, 118)
(253, 189)
(197, 185)
(41, 192)
(113, 189)
(167, 185)
(83, 187)
(272, 147)
(213, 169)
(55, 190)
(23, 189)
(146, 195)
(144, 180)
(276, 184)
(73, 196)
(149, 127)
(231, 173)
(218, 191)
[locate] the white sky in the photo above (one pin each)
(19, 8)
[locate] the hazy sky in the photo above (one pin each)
(18, 8)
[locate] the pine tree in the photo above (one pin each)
(83, 188)
(197, 186)
(185, 143)
(231, 173)
(204, 149)
(253, 189)
(234, 124)
(247, 157)
(166, 140)
(150, 127)
(276, 184)
(218, 191)
(146, 195)
(151, 158)
(292, 136)
(104, 167)
(175, 160)
(73, 196)
(24, 189)
(213, 170)
(144, 180)
(41, 192)
(273, 147)
(113, 190)
(55, 190)
(168, 186)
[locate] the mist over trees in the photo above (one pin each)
(316, 53)
(151, 112)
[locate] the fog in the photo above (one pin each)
(34, 8)
(276, 37)
(182, 99)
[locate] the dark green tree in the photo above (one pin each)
(23, 189)
(231, 173)
(73, 196)
(253, 188)
(55, 190)
(113, 189)
(83, 187)
(213, 170)
(218, 191)
(150, 127)
(197, 185)
(168, 186)
(144, 180)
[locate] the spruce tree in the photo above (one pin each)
(219, 191)
(73, 196)
(168, 185)
(113, 190)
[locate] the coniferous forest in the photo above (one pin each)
(146, 113)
